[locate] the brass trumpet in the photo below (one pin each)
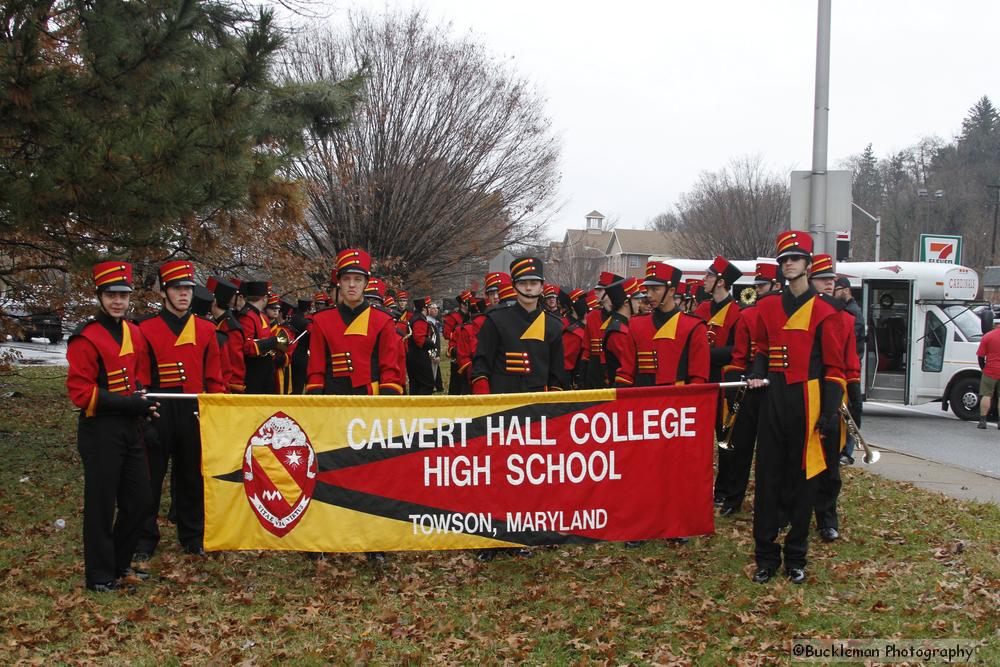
(871, 455)
(726, 442)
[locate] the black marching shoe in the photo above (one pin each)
(376, 557)
(142, 556)
(193, 549)
(633, 544)
(111, 587)
(486, 555)
(134, 573)
(762, 575)
(982, 423)
(796, 575)
(524, 552)
(829, 534)
(728, 510)
(679, 540)
(719, 501)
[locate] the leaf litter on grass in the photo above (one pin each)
(911, 564)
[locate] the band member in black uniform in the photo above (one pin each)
(421, 342)
(734, 465)
(104, 380)
(801, 352)
(520, 348)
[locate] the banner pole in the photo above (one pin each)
(721, 385)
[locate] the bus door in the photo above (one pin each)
(888, 308)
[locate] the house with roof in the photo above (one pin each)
(628, 250)
(580, 257)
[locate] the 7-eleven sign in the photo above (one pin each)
(940, 249)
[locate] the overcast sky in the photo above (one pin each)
(646, 95)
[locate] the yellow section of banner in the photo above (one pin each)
(240, 514)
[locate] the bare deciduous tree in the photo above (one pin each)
(735, 212)
(450, 158)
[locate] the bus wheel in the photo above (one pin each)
(965, 399)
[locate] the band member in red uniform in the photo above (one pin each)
(721, 313)
(354, 349)
(823, 279)
(619, 347)
(550, 298)
(671, 345)
(259, 342)
(575, 333)
(593, 354)
(320, 301)
(520, 348)
(104, 380)
(467, 337)
(734, 465)
(800, 350)
(457, 384)
(233, 369)
(183, 358)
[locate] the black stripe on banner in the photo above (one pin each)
(401, 510)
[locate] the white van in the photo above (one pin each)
(921, 334)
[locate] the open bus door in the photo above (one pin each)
(888, 308)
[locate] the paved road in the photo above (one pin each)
(38, 352)
(927, 432)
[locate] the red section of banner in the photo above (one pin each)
(639, 467)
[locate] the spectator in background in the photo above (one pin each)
(433, 311)
(842, 292)
(989, 361)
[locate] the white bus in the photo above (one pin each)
(921, 335)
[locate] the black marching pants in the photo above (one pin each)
(830, 484)
(780, 482)
(458, 385)
(734, 465)
(177, 436)
(114, 478)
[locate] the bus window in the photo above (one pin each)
(935, 334)
(966, 321)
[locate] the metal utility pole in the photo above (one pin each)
(996, 218)
(877, 219)
(821, 114)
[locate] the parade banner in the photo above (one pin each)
(384, 473)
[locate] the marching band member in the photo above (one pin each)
(259, 342)
(183, 358)
(800, 351)
(575, 333)
(823, 279)
(593, 353)
(520, 348)
(226, 322)
(105, 376)
(354, 348)
(734, 465)
(467, 337)
(618, 344)
(671, 345)
(300, 322)
(419, 346)
(457, 383)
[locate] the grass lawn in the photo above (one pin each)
(911, 565)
